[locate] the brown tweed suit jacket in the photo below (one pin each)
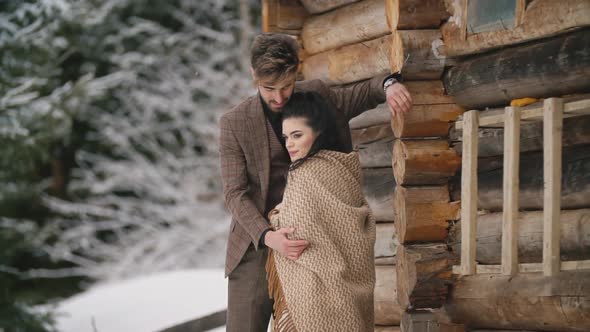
(245, 160)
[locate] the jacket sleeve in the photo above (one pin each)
(354, 99)
(236, 187)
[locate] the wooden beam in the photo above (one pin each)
(417, 162)
(320, 6)
(418, 54)
(378, 186)
(552, 132)
(415, 14)
(529, 301)
(528, 70)
(284, 16)
(574, 229)
(423, 275)
(565, 266)
(347, 25)
(511, 170)
(492, 118)
(387, 309)
(542, 18)
(422, 214)
(469, 192)
(350, 63)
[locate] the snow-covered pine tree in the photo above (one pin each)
(108, 118)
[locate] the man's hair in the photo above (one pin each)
(311, 107)
(274, 57)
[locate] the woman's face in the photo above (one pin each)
(299, 137)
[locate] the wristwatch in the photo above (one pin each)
(393, 78)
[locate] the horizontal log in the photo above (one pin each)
(527, 301)
(387, 309)
(423, 275)
(425, 321)
(424, 162)
(350, 63)
(576, 131)
(415, 14)
(418, 54)
(542, 18)
(284, 16)
(347, 25)
(529, 70)
(387, 329)
(378, 185)
(574, 236)
(377, 153)
(371, 134)
(386, 242)
(575, 183)
(320, 6)
(421, 214)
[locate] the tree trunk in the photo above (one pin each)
(525, 301)
(523, 71)
(387, 310)
(575, 183)
(378, 185)
(350, 63)
(424, 162)
(320, 6)
(543, 18)
(418, 54)
(574, 236)
(421, 214)
(423, 275)
(415, 14)
(347, 25)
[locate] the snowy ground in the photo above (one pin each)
(145, 304)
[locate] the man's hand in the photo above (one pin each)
(278, 241)
(398, 99)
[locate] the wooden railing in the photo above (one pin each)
(551, 113)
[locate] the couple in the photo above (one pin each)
(321, 238)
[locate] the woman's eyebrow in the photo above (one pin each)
(293, 132)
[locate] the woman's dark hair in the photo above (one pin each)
(312, 107)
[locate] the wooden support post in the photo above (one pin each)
(552, 132)
(511, 169)
(469, 192)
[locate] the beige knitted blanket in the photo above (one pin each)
(330, 287)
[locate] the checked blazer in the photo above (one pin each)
(245, 155)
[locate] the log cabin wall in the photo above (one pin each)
(411, 163)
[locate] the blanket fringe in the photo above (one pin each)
(282, 320)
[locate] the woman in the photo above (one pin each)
(330, 287)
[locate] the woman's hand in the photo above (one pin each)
(278, 241)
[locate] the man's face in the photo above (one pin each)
(276, 94)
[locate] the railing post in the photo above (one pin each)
(552, 132)
(511, 183)
(469, 192)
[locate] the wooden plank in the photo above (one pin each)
(528, 267)
(542, 18)
(469, 192)
(494, 118)
(511, 170)
(552, 132)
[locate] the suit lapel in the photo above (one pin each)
(261, 148)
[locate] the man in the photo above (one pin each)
(254, 164)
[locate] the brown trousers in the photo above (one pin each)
(249, 306)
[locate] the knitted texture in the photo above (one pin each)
(330, 287)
